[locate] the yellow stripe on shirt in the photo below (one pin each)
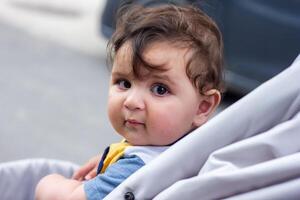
(116, 151)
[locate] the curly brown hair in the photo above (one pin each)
(184, 25)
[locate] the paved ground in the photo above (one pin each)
(53, 88)
(53, 80)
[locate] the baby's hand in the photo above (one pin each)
(88, 170)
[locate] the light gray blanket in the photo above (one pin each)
(18, 179)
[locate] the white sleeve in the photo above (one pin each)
(146, 153)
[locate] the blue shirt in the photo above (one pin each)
(100, 186)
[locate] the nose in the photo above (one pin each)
(134, 100)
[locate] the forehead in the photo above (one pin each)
(163, 55)
(123, 59)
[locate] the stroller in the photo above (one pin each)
(249, 151)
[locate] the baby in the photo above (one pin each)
(166, 81)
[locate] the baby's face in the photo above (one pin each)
(158, 109)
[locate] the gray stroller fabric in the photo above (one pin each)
(18, 179)
(249, 151)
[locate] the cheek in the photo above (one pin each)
(174, 113)
(113, 108)
(171, 122)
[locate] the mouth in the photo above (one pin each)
(133, 122)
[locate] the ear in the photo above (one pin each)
(207, 105)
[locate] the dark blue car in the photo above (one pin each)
(261, 37)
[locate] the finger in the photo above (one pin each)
(84, 170)
(91, 174)
(81, 172)
(77, 175)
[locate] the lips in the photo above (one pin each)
(133, 122)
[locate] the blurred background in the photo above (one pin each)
(54, 79)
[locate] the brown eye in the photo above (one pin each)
(160, 90)
(124, 84)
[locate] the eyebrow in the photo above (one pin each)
(154, 76)
(117, 73)
(163, 77)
